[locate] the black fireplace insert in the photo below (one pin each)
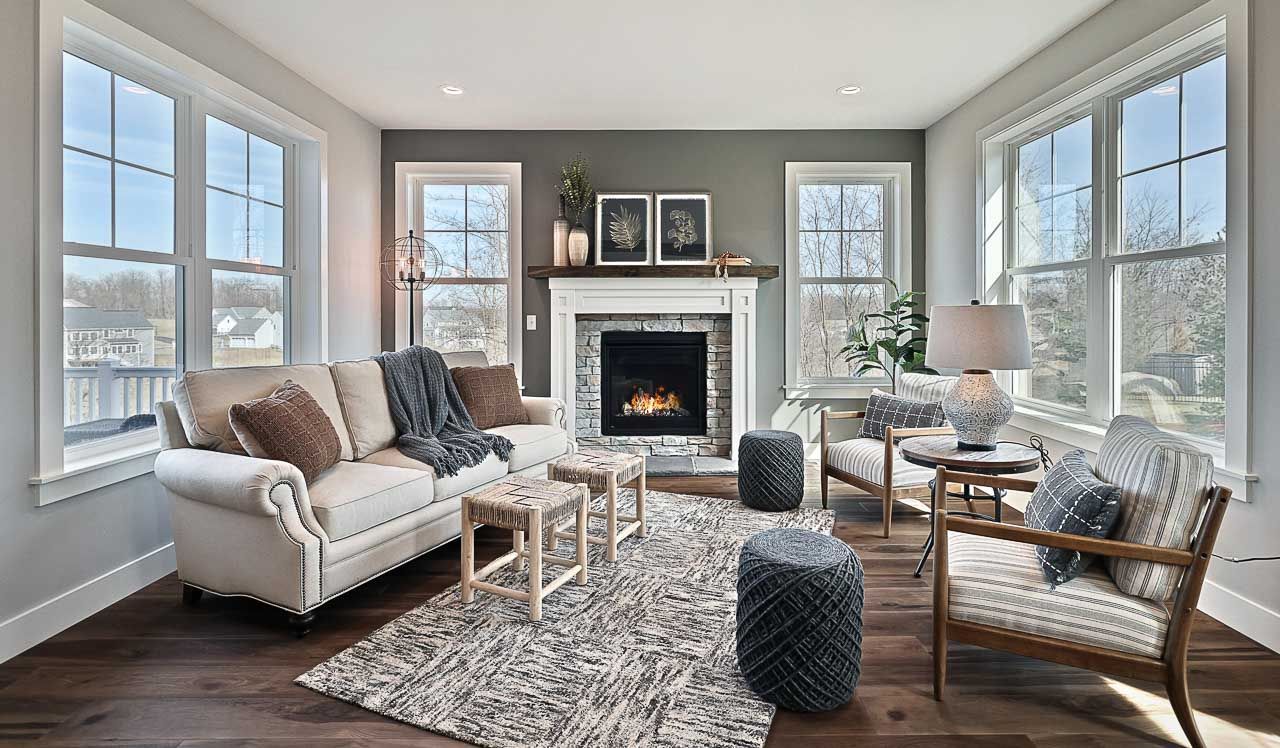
(653, 383)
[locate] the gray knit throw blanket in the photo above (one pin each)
(429, 415)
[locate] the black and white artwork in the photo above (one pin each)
(684, 228)
(624, 228)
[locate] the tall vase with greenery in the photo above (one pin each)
(578, 195)
(891, 340)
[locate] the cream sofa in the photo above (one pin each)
(254, 528)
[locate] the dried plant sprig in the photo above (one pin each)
(575, 187)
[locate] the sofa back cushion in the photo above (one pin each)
(930, 388)
(204, 398)
(1164, 483)
(464, 358)
(362, 391)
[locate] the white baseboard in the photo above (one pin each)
(33, 626)
(1249, 618)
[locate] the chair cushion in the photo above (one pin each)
(287, 425)
(533, 442)
(362, 392)
(352, 497)
(930, 388)
(999, 583)
(491, 394)
(204, 398)
(1071, 499)
(884, 410)
(487, 471)
(1164, 485)
(865, 458)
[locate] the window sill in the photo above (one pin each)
(1087, 435)
(833, 391)
(90, 474)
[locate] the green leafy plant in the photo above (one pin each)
(575, 187)
(890, 340)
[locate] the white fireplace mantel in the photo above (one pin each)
(735, 297)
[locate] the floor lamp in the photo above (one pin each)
(411, 264)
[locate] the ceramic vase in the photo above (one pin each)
(560, 238)
(977, 408)
(579, 243)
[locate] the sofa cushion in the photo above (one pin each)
(352, 497)
(205, 397)
(865, 459)
(533, 442)
(999, 583)
(491, 395)
(1071, 499)
(287, 425)
(362, 392)
(489, 470)
(1164, 483)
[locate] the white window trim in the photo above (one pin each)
(77, 26)
(897, 234)
(409, 179)
(1218, 22)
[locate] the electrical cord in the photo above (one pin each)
(1235, 560)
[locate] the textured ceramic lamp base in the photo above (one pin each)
(976, 407)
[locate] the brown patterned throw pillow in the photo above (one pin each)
(491, 394)
(290, 426)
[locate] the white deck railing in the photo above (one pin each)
(91, 393)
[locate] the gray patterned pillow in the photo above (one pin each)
(1071, 499)
(884, 409)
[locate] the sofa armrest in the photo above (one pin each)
(244, 484)
(547, 411)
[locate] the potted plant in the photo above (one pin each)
(578, 195)
(890, 340)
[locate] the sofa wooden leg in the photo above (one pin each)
(300, 623)
(191, 595)
(1180, 698)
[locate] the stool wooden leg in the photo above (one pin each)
(611, 517)
(517, 545)
(583, 508)
(644, 528)
(468, 551)
(535, 564)
(552, 541)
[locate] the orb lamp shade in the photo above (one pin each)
(413, 265)
(978, 336)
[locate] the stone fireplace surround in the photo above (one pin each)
(727, 306)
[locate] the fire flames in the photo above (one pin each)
(660, 403)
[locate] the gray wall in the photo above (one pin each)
(53, 559)
(1246, 596)
(742, 169)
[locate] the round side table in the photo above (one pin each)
(932, 451)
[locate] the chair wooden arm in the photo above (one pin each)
(988, 481)
(834, 415)
(930, 431)
(1081, 543)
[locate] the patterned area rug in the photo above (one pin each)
(643, 655)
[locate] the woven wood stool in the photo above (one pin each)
(604, 471)
(524, 505)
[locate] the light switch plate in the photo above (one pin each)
(531, 322)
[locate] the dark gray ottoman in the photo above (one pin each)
(771, 470)
(800, 618)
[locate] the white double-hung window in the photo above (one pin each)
(848, 238)
(1106, 215)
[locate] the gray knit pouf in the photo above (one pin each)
(771, 470)
(800, 618)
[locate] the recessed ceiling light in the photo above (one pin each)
(451, 90)
(135, 90)
(1165, 90)
(849, 90)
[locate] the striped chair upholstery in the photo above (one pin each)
(927, 387)
(999, 583)
(1164, 482)
(864, 457)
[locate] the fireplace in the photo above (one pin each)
(653, 383)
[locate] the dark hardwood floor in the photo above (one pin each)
(148, 671)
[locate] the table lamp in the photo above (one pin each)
(978, 338)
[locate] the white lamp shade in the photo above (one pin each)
(978, 336)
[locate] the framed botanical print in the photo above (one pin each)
(683, 227)
(624, 228)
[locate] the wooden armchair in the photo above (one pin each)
(1088, 622)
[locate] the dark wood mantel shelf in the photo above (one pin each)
(649, 271)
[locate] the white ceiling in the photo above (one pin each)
(656, 64)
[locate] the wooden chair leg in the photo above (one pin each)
(1180, 698)
(941, 598)
(644, 527)
(823, 480)
(553, 542)
(535, 564)
(611, 518)
(582, 530)
(888, 512)
(517, 545)
(468, 552)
